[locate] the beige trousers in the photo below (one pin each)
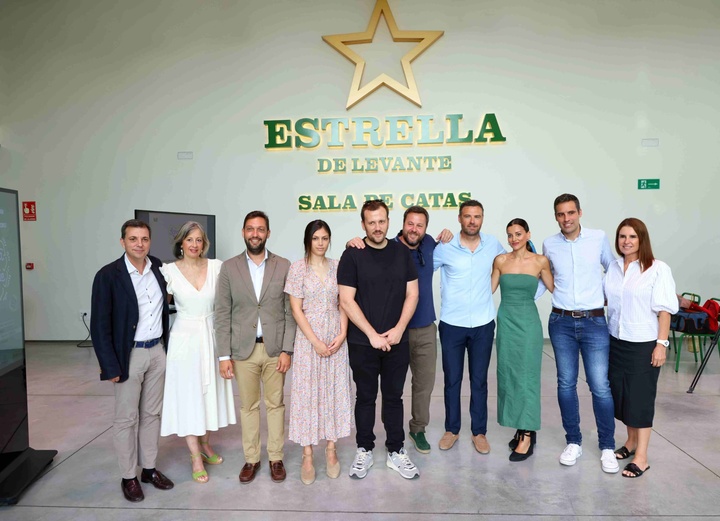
(249, 373)
(138, 404)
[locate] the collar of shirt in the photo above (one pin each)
(133, 269)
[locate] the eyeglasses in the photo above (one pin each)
(421, 259)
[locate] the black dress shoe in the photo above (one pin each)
(132, 490)
(513, 443)
(518, 456)
(157, 478)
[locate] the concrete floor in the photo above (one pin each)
(71, 411)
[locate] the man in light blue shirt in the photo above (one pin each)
(467, 321)
(577, 326)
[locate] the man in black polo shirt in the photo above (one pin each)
(379, 292)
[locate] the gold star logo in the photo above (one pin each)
(424, 40)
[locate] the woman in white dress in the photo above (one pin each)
(196, 399)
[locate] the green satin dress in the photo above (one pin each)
(519, 353)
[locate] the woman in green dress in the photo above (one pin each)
(519, 337)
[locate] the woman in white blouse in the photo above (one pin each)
(640, 293)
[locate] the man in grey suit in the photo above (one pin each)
(255, 330)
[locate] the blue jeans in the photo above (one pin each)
(588, 337)
(478, 342)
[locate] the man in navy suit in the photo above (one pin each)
(129, 326)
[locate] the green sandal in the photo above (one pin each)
(215, 459)
(201, 473)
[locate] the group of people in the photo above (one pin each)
(370, 316)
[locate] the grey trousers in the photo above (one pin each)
(138, 404)
(423, 361)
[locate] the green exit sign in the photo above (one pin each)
(648, 184)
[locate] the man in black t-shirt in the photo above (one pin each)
(378, 289)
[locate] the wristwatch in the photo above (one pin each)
(665, 343)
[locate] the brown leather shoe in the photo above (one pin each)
(277, 471)
(157, 478)
(481, 444)
(448, 440)
(247, 474)
(132, 490)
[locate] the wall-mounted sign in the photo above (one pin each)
(373, 142)
(28, 211)
(648, 184)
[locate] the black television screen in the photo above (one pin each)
(165, 225)
(13, 391)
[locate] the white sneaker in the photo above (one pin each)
(609, 462)
(361, 464)
(400, 462)
(571, 453)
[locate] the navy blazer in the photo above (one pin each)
(114, 316)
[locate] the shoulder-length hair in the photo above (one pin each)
(185, 230)
(645, 254)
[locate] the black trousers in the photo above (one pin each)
(367, 364)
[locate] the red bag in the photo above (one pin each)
(712, 308)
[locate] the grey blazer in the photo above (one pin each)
(237, 309)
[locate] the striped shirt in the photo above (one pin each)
(635, 298)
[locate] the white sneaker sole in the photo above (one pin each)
(611, 470)
(390, 465)
(571, 462)
(355, 475)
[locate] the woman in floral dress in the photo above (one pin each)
(321, 407)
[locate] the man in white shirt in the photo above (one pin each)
(577, 326)
(129, 327)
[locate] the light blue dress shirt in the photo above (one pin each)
(465, 290)
(577, 267)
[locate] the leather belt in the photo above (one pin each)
(600, 312)
(259, 340)
(148, 343)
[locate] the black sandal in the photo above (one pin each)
(624, 453)
(636, 472)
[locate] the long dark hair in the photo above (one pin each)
(310, 229)
(524, 225)
(645, 253)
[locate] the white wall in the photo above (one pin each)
(97, 98)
